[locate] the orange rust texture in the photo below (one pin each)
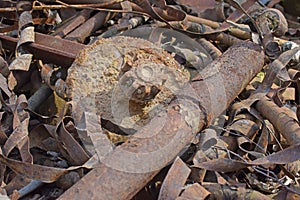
(236, 68)
(284, 123)
(220, 82)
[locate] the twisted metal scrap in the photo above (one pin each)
(124, 171)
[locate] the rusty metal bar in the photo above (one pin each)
(91, 25)
(47, 48)
(130, 166)
(89, 1)
(70, 26)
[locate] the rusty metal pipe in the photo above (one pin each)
(130, 166)
(283, 122)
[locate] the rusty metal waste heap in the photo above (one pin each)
(115, 100)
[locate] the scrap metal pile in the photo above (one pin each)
(149, 99)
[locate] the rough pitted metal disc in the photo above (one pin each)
(123, 79)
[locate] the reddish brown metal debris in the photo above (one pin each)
(47, 48)
(132, 89)
(282, 118)
(130, 166)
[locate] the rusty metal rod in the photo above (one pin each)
(73, 23)
(47, 48)
(109, 2)
(130, 166)
(91, 25)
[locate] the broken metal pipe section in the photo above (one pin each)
(131, 165)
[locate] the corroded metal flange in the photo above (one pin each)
(123, 79)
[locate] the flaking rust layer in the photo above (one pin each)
(123, 79)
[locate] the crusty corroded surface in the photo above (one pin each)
(123, 79)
